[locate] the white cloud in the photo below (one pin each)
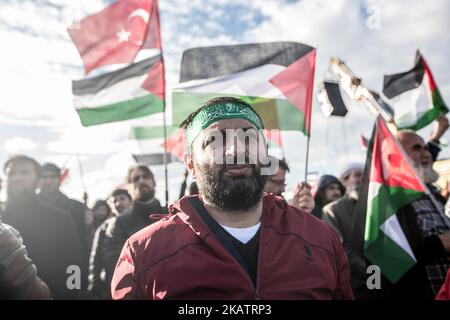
(19, 145)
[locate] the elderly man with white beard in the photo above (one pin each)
(426, 228)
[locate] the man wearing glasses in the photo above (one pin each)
(276, 184)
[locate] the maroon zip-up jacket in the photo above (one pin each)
(300, 257)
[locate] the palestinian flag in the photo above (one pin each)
(392, 184)
(151, 140)
(117, 34)
(132, 92)
(275, 78)
(415, 96)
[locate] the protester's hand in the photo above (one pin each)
(440, 126)
(445, 238)
(303, 198)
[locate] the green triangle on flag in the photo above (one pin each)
(393, 183)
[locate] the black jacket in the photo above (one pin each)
(98, 285)
(77, 210)
(51, 241)
(120, 228)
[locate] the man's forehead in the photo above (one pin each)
(19, 165)
(138, 171)
(49, 173)
(230, 124)
(333, 185)
(410, 138)
(281, 173)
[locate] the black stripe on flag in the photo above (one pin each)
(396, 84)
(210, 62)
(95, 84)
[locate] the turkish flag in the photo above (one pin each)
(117, 33)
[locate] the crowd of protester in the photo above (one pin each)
(117, 255)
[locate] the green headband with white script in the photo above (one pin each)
(217, 112)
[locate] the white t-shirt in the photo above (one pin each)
(244, 235)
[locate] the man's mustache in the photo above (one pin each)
(143, 185)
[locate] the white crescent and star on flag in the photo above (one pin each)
(124, 35)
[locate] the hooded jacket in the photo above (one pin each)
(324, 182)
(300, 257)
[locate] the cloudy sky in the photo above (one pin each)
(38, 62)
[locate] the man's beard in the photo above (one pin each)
(145, 193)
(230, 193)
(332, 198)
(427, 173)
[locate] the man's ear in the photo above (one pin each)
(189, 161)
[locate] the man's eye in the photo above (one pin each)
(251, 133)
(208, 141)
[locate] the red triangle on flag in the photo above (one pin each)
(296, 82)
(154, 82)
(390, 165)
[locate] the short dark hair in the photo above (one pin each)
(119, 192)
(282, 164)
(23, 158)
(100, 203)
(139, 166)
(210, 102)
(51, 167)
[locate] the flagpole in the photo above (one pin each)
(165, 156)
(166, 178)
(307, 157)
(80, 169)
(308, 119)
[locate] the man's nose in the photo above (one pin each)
(235, 148)
(426, 155)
